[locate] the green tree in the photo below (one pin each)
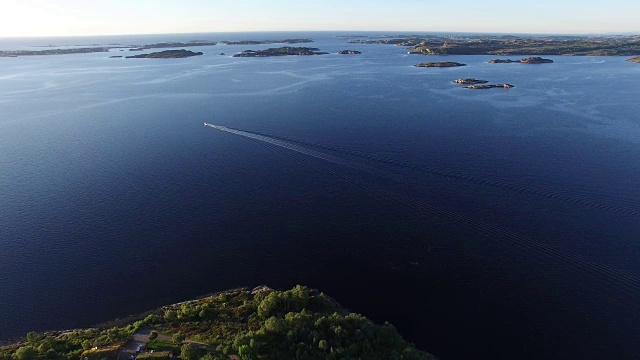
(170, 315)
(26, 353)
(178, 338)
(153, 335)
(188, 352)
(245, 352)
(33, 337)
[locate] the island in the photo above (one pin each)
(167, 54)
(349, 52)
(440, 64)
(489, 86)
(115, 57)
(267, 42)
(634, 59)
(281, 51)
(613, 45)
(98, 48)
(529, 60)
(16, 53)
(243, 324)
(470, 81)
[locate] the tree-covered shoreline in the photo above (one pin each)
(262, 323)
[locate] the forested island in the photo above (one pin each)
(440, 64)
(514, 45)
(167, 54)
(281, 51)
(261, 323)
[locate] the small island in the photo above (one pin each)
(634, 59)
(470, 81)
(489, 86)
(349, 52)
(281, 51)
(529, 60)
(258, 323)
(167, 54)
(440, 64)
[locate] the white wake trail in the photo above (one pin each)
(499, 234)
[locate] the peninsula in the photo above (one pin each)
(635, 59)
(282, 51)
(440, 64)
(513, 45)
(243, 324)
(529, 60)
(167, 54)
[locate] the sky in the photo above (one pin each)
(114, 17)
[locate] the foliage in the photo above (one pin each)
(300, 323)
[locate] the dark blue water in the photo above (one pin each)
(499, 223)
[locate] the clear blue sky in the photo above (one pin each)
(93, 17)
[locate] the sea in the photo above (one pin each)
(501, 223)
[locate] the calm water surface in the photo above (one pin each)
(500, 223)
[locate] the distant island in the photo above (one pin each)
(16, 53)
(470, 81)
(349, 52)
(267, 42)
(529, 60)
(440, 64)
(635, 59)
(167, 54)
(513, 45)
(242, 324)
(489, 86)
(166, 45)
(281, 51)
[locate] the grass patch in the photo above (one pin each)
(158, 345)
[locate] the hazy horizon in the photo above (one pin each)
(38, 18)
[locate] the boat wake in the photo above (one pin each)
(496, 233)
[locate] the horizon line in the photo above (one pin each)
(406, 32)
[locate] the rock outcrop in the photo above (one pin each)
(440, 64)
(470, 81)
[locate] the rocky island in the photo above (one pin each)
(635, 59)
(98, 48)
(282, 51)
(167, 54)
(529, 60)
(440, 64)
(489, 86)
(259, 323)
(470, 81)
(513, 45)
(349, 52)
(267, 42)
